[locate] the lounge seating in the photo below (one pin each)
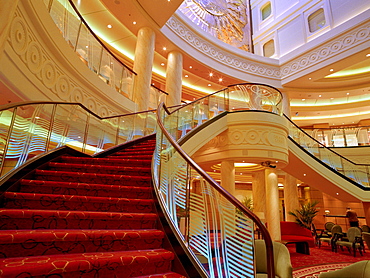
(283, 266)
(336, 229)
(354, 242)
(292, 232)
(357, 270)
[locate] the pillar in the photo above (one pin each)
(143, 64)
(366, 206)
(259, 195)
(228, 176)
(174, 78)
(291, 200)
(7, 10)
(272, 204)
(286, 104)
(307, 194)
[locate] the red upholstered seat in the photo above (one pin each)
(291, 231)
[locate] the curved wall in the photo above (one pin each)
(38, 64)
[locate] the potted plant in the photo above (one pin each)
(305, 215)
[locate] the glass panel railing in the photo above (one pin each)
(341, 136)
(206, 217)
(30, 129)
(89, 48)
(217, 230)
(358, 173)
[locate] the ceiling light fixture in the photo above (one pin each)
(220, 79)
(164, 48)
(134, 22)
(109, 26)
(210, 74)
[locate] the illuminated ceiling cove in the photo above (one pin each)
(226, 20)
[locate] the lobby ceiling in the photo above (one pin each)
(311, 95)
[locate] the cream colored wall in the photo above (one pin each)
(288, 24)
(37, 64)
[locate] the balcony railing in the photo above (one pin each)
(32, 128)
(358, 173)
(216, 229)
(92, 51)
(341, 136)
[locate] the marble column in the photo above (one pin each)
(286, 104)
(366, 206)
(143, 66)
(291, 200)
(272, 204)
(307, 194)
(228, 176)
(259, 194)
(174, 78)
(7, 10)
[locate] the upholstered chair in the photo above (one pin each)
(357, 270)
(354, 242)
(283, 265)
(334, 230)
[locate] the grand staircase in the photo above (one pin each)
(85, 217)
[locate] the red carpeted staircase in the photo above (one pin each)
(85, 217)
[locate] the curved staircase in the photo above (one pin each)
(85, 217)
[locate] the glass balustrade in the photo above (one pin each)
(341, 137)
(214, 226)
(358, 173)
(28, 130)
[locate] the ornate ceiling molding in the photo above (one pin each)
(223, 56)
(354, 37)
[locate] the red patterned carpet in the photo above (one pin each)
(85, 217)
(322, 260)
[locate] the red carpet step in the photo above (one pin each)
(85, 217)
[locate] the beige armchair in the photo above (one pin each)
(357, 270)
(283, 266)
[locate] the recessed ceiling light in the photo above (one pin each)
(319, 95)
(303, 99)
(209, 85)
(368, 55)
(220, 79)
(331, 69)
(162, 64)
(109, 26)
(304, 174)
(211, 74)
(347, 94)
(190, 67)
(134, 22)
(186, 75)
(309, 78)
(164, 48)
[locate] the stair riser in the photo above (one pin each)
(101, 170)
(102, 265)
(34, 248)
(97, 192)
(59, 203)
(112, 162)
(52, 223)
(111, 180)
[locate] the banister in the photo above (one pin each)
(223, 192)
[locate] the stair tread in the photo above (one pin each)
(81, 184)
(19, 236)
(78, 165)
(43, 172)
(27, 213)
(133, 263)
